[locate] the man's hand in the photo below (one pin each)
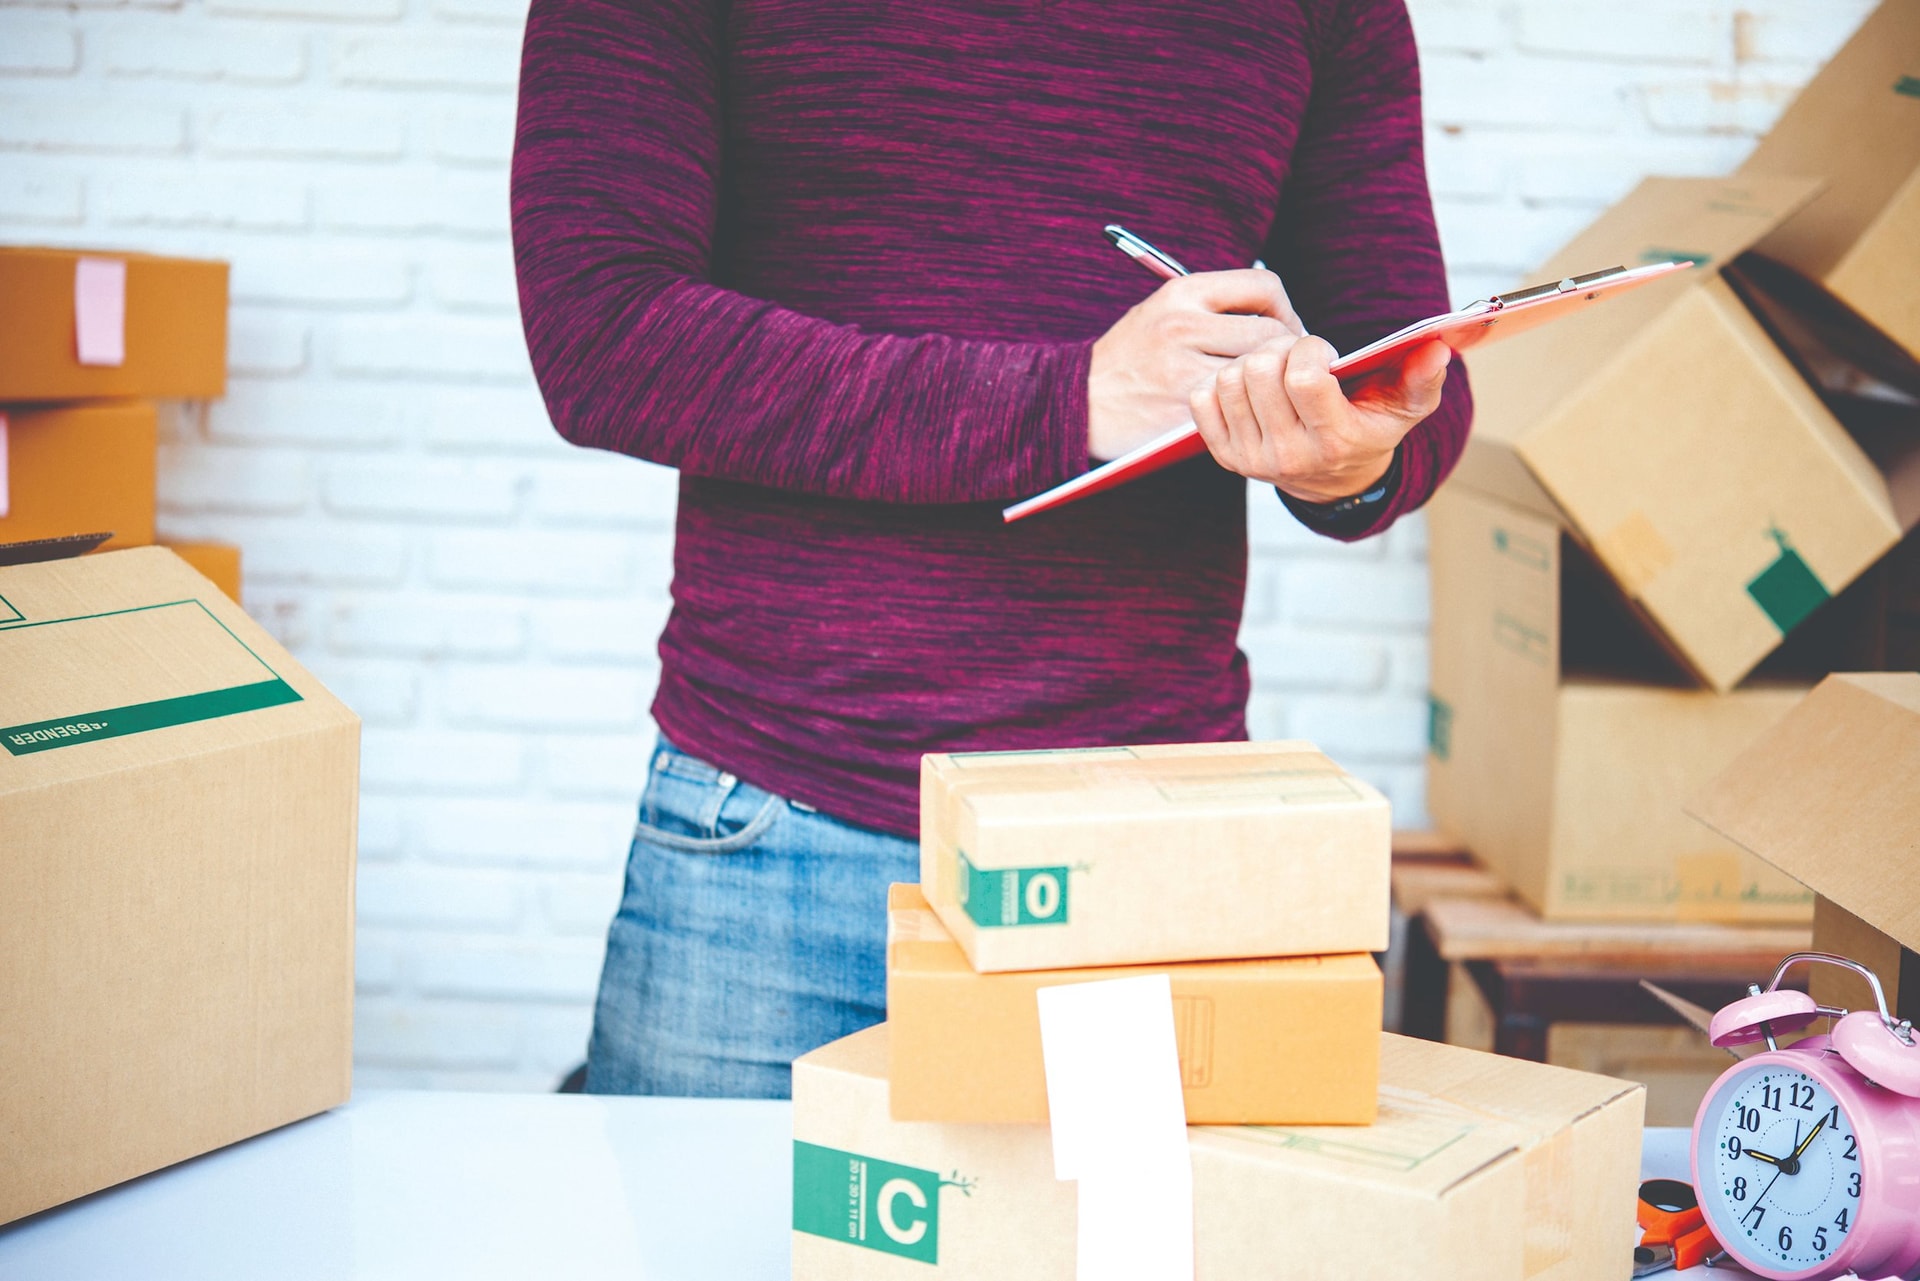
(1173, 341)
(1279, 415)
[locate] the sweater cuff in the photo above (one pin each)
(1348, 517)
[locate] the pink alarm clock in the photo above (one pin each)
(1806, 1160)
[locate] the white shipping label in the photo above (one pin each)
(1119, 1125)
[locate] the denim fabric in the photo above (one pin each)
(752, 930)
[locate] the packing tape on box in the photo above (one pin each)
(100, 311)
(1120, 1126)
(5, 487)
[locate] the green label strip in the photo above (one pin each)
(876, 1205)
(1908, 85)
(138, 718)
(1439, 727)
(1013, 895)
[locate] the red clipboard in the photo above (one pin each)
(1477, 323)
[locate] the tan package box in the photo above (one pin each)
(1287, 1040)
(1479, 1168)
(1571, 787)
(220, 562)
(1671, 435)
(176, 897)
(1857, 126)
(1831, 796)
(79, 469)
(1143, 855)
(173, 327)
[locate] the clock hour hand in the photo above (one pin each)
(1758, 1155)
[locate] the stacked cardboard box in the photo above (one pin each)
(1667, 526)
(1254, 876)
(88, 341)
(178, 799)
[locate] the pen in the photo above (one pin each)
(1163, 265)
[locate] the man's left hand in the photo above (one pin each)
(1279, 415)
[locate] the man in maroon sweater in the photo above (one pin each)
(840, 262)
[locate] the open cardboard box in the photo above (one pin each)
(1673, 439)
(1831, 796)
(178, 799)
(1564, 741)
(1483, 1168)
(1856, 126)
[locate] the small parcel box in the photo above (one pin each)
(1284, 1039)
(1140, 855)
(84, 324)
(177, 822)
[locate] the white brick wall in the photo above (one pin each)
(487, 597)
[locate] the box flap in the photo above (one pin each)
(1857, 126)
(1831, 796)
(1517, 383)
(113, 661)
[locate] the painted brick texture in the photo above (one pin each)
(488, 597)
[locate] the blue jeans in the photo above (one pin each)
(752, 930)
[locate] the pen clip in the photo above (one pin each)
(1157, 261)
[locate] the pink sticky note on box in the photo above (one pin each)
(100, 311)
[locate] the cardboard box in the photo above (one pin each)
(1294, 1039)
(173, 328)
(1127, 855)
(1856, 125)
(1831, 797)
(80, 469)
(1479, 1168)
(1671, 435)
(1565, 775)
(176, 898)
(220, 562)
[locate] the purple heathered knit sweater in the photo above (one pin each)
(840, 262)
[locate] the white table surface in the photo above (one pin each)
(417, 1185)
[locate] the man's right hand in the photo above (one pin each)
(1146, 366)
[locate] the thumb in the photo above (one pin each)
(1416, 393)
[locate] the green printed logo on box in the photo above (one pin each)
(1908, 85)
(1787, 590)
(1439, 727)
(1013, 895)
(878, 1205)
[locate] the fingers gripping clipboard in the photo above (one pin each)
(1476, 324)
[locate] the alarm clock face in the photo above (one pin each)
(1779, 1168)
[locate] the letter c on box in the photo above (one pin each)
(891, 1191)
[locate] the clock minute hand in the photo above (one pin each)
(1810, 1136)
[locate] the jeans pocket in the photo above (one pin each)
(693, 808)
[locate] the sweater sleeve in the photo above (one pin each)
(1355, 240)
(616, 175)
